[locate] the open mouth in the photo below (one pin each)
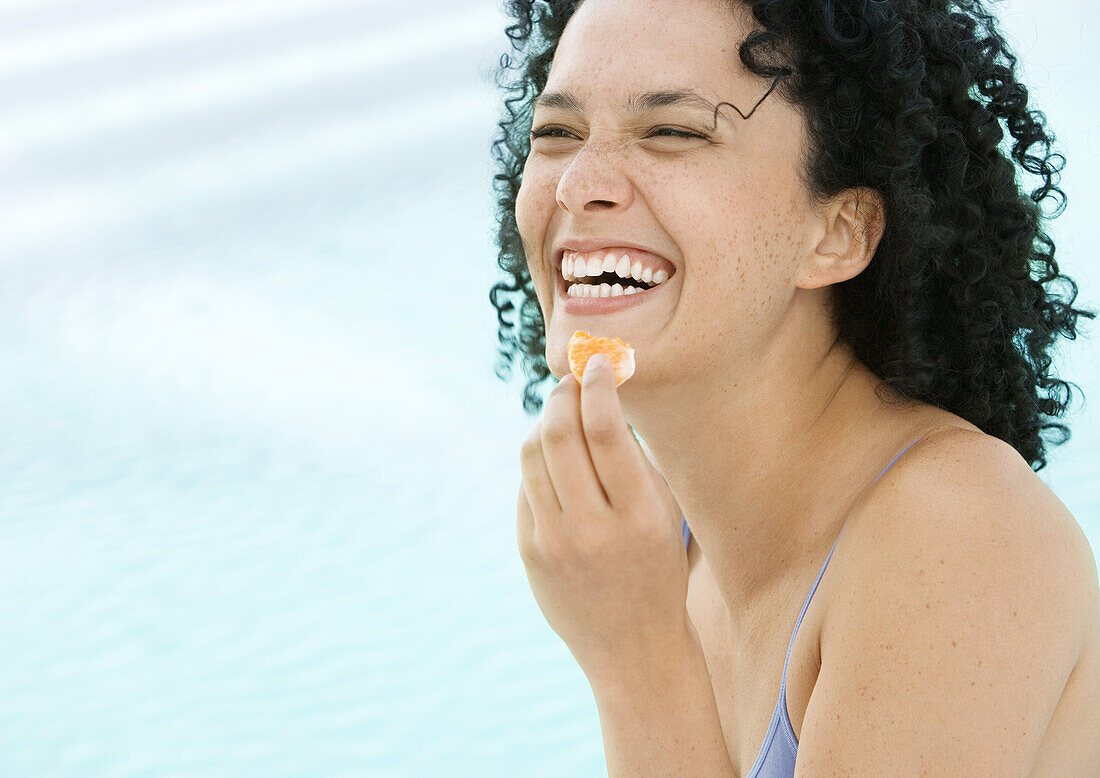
(610, 272)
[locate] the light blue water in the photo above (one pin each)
(257, 480)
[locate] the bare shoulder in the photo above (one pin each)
(969, 598)
(970, 503)
(973, 495)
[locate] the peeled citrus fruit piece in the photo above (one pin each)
(582, 346)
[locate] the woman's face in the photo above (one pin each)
(727, 212)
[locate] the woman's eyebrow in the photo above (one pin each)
(649, 101)
(637, 104)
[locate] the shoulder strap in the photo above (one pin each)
(810, 596)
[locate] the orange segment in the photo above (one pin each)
(582, 346)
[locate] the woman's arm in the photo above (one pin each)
(599, 534)
(659, 717)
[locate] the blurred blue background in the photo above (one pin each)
(258, 479)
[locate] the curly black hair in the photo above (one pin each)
(959, 307)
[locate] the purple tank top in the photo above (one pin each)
(777, 755)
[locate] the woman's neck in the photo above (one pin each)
(764, 471)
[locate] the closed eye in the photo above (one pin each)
(548, 132)
(551, 132)
(676, 133)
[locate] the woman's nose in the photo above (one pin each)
(594, 180)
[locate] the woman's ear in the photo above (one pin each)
(852, 224)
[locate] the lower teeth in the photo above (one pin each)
(603, 290)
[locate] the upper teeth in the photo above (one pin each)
(576, 266)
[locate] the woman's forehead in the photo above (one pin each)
(668, 27)
(634, 48)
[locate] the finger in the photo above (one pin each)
(541, 495)
(566, 454)
(616, 455)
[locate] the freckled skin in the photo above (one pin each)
(760, 420)
(710, 207)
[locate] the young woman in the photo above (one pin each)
(834, 556)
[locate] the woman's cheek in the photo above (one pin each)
(531, 215)
(535, 206)
(522, 209)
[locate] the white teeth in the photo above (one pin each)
(576, 267)
(589, 290)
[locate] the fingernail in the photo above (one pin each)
(594, 368)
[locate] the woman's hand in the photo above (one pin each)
(599, 531)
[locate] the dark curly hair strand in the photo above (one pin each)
(906, 97)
